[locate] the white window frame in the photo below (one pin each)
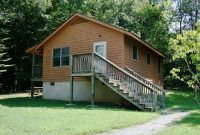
(61, 57)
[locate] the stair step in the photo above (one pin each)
(110, 81)
(142, 103)
(137, 98)
(148, 107)
(115, 84)
(130, 95)
(125, 92)
(120, 88)
(101, 75)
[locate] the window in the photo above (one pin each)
(159, 67)
(135, 55)
(60, 57)
(148, 59)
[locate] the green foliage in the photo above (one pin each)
(28, 22)
(187, 47)
(24, 23)
(3, 60)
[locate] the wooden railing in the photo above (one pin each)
(137, 88)
(94, 63)
(37, 71)
(161, 92)
(81, 63)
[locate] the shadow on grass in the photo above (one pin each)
(193, 119)
(181, 100)
(39, 102)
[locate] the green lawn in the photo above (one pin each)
(189, 125)
(24, 116)
(20, 115)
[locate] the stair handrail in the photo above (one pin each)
(160, 91)
(124, 71)
(145, 80)
(142, 89)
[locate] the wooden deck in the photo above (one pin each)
(132, 87)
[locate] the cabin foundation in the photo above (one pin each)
(81, 91)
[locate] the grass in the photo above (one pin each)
(190, 125)
(24, 116)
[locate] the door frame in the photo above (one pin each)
(104, 43)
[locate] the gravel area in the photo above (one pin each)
(167, 119)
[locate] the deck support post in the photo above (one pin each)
(71, 89)
(32, 84)
(71, 82)
(93, 82)
(92, 90)
(154, 108)
(163, 99)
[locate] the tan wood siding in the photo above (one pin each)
(140, 65)
(80, 38)
(78, 21)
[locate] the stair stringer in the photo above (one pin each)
(125, 96)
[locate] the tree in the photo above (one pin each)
(25, 27)
(187, 48)
(3, 60)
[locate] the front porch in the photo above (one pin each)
(36, 78)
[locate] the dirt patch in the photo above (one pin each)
(17, 94)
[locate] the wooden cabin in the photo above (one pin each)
(89, 60)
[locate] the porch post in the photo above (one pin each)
(32, 84)
(92, 90)
(154, 101)
(163, 99)
(71, 89)
(93, 82)
(71, 82)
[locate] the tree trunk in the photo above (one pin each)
(19, 76)
(181, 16)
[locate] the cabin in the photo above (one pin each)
(88, 60)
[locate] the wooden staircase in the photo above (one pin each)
(124, 93)
(142, 94)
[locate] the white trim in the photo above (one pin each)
(104, 43)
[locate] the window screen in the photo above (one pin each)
(61, 57)
(135, 55)
(159, 67)
(65, 57)
(56, 57)
(148, 59)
